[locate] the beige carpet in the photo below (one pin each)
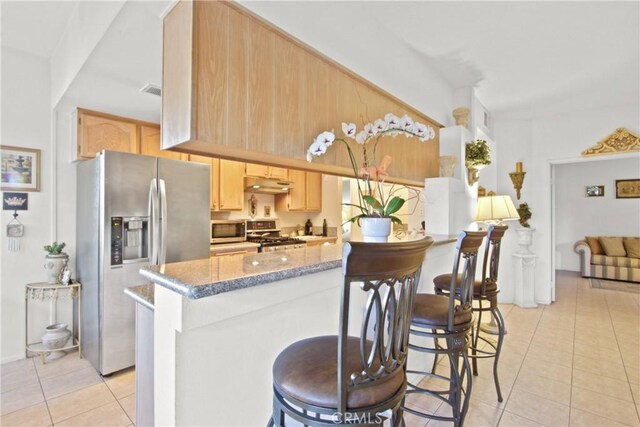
(615, 285)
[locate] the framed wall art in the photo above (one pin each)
(594, 190)
(20, 168)
(627, 188)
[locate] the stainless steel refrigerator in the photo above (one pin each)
(132, 211)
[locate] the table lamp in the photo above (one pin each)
(494, 209)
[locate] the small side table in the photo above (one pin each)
(51, 292)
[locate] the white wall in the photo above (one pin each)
(26, 122)
(537, 142)
(599, 216)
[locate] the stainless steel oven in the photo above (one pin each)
(229, 230)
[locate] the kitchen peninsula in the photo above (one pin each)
(219, 323)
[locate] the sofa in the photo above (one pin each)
(610, 257)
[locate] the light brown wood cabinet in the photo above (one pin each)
(101, 131)
(305, 196)
(227, 183)
(98, 132)
(262, 171)
(320, 242)
(150, 144)
(237, 87)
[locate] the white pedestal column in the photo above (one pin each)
(524, 270)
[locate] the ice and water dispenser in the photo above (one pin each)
(129, 239)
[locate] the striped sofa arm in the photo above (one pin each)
(582, 248)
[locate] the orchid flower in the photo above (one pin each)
(361, 137)
(349, 130)
(368, 172)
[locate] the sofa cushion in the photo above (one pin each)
(615, 261)
(594, 245)
(613, 246)
(632, 246)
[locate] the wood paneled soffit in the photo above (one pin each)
(237, 87)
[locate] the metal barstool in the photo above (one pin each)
(485, 291)
(450, 319)
(347, 380)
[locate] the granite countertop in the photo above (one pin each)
(211, 276)
(142, 294)
(206, 277)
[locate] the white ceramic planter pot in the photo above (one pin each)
(375, 229)
(525, 238)
(53, 265)
(56, 336)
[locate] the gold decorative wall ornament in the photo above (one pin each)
(620, 141)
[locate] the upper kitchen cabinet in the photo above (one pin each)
(237, 87)
(262, 171)
(227, 183)
(304, 196)
(150, 144)
(97, 131)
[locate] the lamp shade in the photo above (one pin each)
(496, 208)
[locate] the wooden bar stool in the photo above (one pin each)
(342, 379)
(485, 291)
(449, 319)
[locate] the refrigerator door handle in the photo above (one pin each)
(163, 222)
(153, 220)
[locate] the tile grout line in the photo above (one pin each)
(506, 401)
(615, 336)
(573, 356)
(46, 403)
(117, 400)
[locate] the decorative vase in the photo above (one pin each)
(53, 264)
(375, 229)
(525, 238)
(473, 173)
(447, 165)
(56, 336)
(461, 115)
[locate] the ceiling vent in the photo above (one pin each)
(152, 89)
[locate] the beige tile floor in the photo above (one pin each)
(66, 392)
(575, 362)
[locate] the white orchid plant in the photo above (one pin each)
(370, 174)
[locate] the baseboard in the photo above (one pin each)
(13, 358)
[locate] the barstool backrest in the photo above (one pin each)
(464, 263)
(389, 273)
(491, 258)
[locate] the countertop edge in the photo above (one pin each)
(142, 294)
(223, 286)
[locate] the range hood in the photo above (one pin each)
(267, 186)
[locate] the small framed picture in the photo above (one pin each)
(20, 168)
(594, 190)
(627, 188)
(15, 201)
(267, 211)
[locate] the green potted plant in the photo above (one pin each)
(55, 260)
(525, 215)
(376, 204)
(477, 155)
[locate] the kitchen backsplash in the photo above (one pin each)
(317, 230)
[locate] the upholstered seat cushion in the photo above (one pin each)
(307, 370)
(443, 282)
(615, 261)
(433, 310)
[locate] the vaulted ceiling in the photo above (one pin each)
(524, 58)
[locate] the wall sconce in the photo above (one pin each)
(517, 178)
